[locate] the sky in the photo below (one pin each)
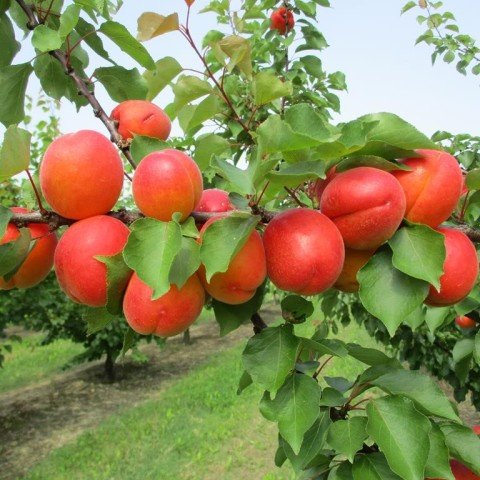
(369, 41)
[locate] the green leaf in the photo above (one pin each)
(89, 34)
(191, 116)
(97, 319)
(237, 49)
(369, 356)
(239, 179)
(295, 408)
(51, 75)
(15, 152)
(122, 84)
(118, 276)
(463, 445)
(347, 436)
(190, 88)
(408, 6)
(166, 69)
(14, 253)
(186, 262)
(230, 317)
(68, 20)
(215, 253)
(438, 465)
(5, 216)
(142, 146)
(325, 346)
(45, 39)
(392, 137)
(128, 341)
(127, 43)
(435, 317)
(296, 309)
(416, 318)
(294, 175)
(332, 398)
(473, 179)
(151, 25)
(369, 161)
(419, 388)
(244, 382)
(419, 251)
(402, 434)
(313, 443)
(373, 467)
(267, 86)
(207, 146)
(476, 349)
(10, 46)
(387, 293)
(151, 250)
(13, 79)
(270, 356)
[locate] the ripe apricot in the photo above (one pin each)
(214, 200)
(465, 322)
(354, 261)
(282, 20)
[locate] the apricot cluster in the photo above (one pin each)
(303, 250)
(367, 206)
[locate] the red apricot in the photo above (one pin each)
(81, 276)
(432, 188)
(461, 472)
(166, 182)
(214, 200)
(246, 272)
(354, 261)
(39, 261)
(304, 250)
(476, 429)
(465, 322)
(81, 175)
(139, 117)
(166, 316)
(282, 20)
(366, 204)
(460, 269)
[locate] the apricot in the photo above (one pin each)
(460, 269)
(246, 272)
(366, 204)
(139, 117)
(282, 20)
(465, 322)
(354, 261)
(166, 316)
(39, 261)
(214, 200)
(432, 188)
(461, 472)
(81, 175)
(81, 276)
(166, 182)
(304, 250)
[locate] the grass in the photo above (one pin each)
(197, 429)
(29, 362)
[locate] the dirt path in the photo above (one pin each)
(42, 417)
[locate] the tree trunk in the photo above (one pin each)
(110, 367)
(187, 340)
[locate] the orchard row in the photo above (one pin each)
(302, 250)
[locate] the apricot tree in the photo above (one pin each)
(257, 126)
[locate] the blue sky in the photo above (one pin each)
(369, 41)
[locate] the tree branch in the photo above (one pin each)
(258, 323)
(82, 86)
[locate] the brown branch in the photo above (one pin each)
(472, 233)
(81, 85)
(258, 323)
(126, 216)
(35, 191)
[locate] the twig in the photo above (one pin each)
(258, 323)
(322, 366)
(294, 197)
(35, 190)
(82, 86)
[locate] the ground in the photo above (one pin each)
(176, 416)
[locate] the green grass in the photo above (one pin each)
(197, 429)
(29, 362)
